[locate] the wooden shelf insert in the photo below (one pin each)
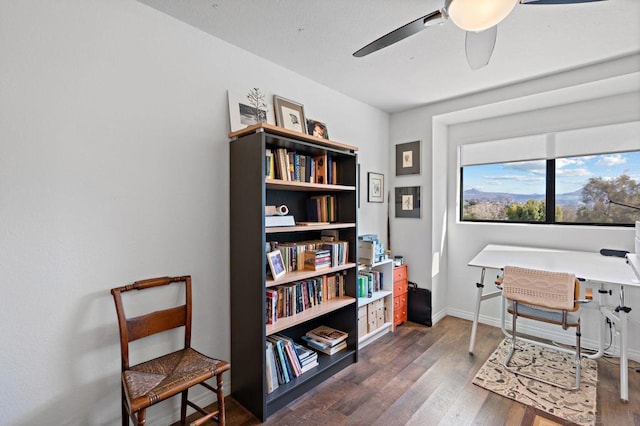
(306, 315)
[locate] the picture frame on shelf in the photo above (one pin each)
(375, 187)
(242, 113)
(276, 264)
(290, 114)
(407, 201)
(408, 158)
(317, 129)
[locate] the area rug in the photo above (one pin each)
(577, 406)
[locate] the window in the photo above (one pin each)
(598, 189)
(573, 184)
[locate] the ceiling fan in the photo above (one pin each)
(479, 18)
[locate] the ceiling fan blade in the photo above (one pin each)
(479, 46)
(557, 1)
(399, 34)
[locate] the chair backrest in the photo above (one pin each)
(135, 328)
(553, 290)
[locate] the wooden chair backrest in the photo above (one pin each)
(155, 322)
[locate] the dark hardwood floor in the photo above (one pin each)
(422, 376)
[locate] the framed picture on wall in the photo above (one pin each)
(375, 187)
(408, 201)
(290, 114)
(408, 158)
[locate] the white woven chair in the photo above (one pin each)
(551, 297)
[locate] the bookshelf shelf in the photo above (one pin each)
(251, 160)
(362, 301)
(304, 275)
(308, 314)
(305, 186)
(305, 228)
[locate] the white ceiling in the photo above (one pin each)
(316, 38)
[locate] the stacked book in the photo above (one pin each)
(286, 360)
(326, 339)
(317, 259)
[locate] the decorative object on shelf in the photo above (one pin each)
(408, 201)
(317, 129)
(375, 188)
(256, 100)
(408, 158)
(242, 113)
(276, 210)
(276, 264)
(290, 114)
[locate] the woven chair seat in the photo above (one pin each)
(168, 375)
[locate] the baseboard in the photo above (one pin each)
(587, 344)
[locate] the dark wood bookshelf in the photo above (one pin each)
(250, 192)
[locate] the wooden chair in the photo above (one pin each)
(150, 382)
(551, 297)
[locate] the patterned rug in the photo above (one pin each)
(577, 406)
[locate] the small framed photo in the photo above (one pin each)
(317, 129)
(408, 158)
(243, 114)
(408, 201)
(290, 114)
(276, 264)
(375, 188)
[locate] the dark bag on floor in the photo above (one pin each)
(419, 304)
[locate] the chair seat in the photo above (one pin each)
(168, 375)
(547, 315)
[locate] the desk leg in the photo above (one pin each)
(624, 361)
(476, 315)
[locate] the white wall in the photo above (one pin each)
(594, 95)
(114, 168)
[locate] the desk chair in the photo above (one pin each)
(551, 297)
(158, 379)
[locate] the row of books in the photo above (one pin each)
(295, 254)
(322, 208)
(326, 339)
(369, 282)
(290, 299)
(286, 360)
(292, 166)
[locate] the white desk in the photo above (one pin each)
(587, 266)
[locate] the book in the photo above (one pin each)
(333, 349)
(315, 344)
(272, 372)
(327, 335)
(272, 305)
(271, 221)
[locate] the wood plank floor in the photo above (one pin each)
(422, 376)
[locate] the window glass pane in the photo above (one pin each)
(598, 188)
(510, 192)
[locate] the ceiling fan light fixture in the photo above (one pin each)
(478, 15)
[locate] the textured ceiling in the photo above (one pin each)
(317, 38)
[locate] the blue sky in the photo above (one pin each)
(571, 173)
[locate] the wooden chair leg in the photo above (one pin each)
(183, 407)
(125, 411)
(220, 395)
(141, 417)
